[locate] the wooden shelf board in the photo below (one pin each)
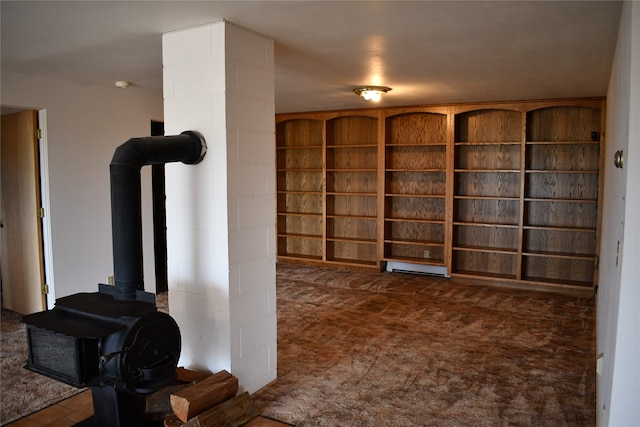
(300, 236)
(353, 146)
(465, 197)
(354, 262)
(484, 224)
(358, 217)
(427, 170)
(564, 255)
(352, 240)
(299, 147)
(438, 262)
(352, 170)
(511, 283)
(298, 257)
(424, 196)
(313, 215)
(430, 243)
(319, 193)
(487, 170)
(316, 170)
(562, 142)
(547, 280)
(409, 144)
(416, 220)
(509, 251)
(483, 274)
(538, 199)
(463, 143)
(562, 171)
(556, 228)
(342, 193)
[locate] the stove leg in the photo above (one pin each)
(115, 408)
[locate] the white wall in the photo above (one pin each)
(619, 285)
(84, 126)
(218, 80)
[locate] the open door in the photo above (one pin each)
(21, 253)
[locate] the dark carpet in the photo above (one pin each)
(388, 349)
(381, 349)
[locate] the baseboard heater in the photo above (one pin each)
(427, 270)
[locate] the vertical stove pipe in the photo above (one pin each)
(189, 147)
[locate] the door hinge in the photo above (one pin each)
(41, 212)
(45, 289)
(37, 133)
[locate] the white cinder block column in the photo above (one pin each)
(218, 80)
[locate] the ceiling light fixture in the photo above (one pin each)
(371, 93)
(122, 84)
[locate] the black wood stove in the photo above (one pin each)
(115, 340)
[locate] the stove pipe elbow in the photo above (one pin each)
(126, 213)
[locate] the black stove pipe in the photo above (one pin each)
(126, 213)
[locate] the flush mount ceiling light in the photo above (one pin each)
(371, 93)
(122, 84)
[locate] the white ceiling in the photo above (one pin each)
(427, 51)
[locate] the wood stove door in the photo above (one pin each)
(21, 258)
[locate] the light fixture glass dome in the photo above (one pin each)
(371, 93)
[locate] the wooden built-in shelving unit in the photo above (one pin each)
(486, 201)
(351, 190)
(299, 155)
(415, 158)
(501, 192)
(562, 163)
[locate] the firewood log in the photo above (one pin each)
(232, 413)
(188, 376)
(159, 402)
(203, 395)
